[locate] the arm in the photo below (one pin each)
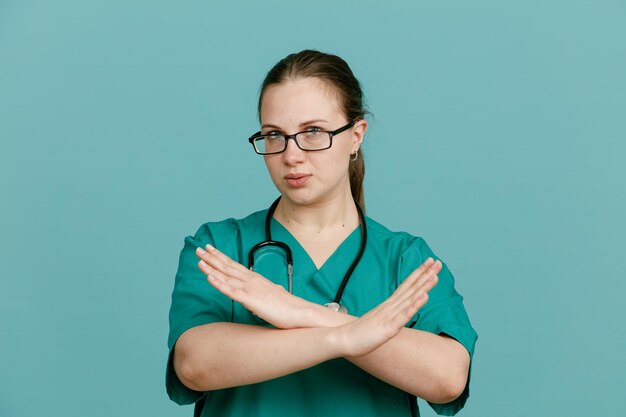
(429, 366)
(248, 354)
(422, 363)
(220, 355)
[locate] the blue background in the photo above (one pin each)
(498, 136)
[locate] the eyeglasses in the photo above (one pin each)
(309, 140)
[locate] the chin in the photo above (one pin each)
(298, 196)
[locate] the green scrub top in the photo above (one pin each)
(334, 387)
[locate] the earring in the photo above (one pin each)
(356, 156)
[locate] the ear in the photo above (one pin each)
(359, 129)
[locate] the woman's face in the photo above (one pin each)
(302, 104)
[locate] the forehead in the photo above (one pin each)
(300, 99)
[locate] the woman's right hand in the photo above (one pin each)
(384, 322)
(269, 301)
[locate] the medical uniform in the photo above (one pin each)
(335, 387)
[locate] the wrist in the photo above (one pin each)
(321, 316)
(336, 341)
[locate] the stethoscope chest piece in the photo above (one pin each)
(337, 307)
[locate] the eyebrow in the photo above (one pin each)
(301, 124)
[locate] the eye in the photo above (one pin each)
(314, 129)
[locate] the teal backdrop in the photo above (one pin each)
(498, 136)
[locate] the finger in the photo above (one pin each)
(432, 269)
(416, 279)
(426, 277)
(413, 308)
(221, 262)
(409, 308)
(405, 306)
(225, 288)
(394, 314)
(224, 258)
(420, 296)
(418, 272)
(210, 271)
(210, 253)
(213, 257)
(426, 283)
(394, 320)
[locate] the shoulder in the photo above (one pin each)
(229, 235)
(406, 250)
(397, 240)
(217, 230)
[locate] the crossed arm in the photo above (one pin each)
(220, 355)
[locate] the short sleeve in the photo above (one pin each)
(194, 302)
(443, 313)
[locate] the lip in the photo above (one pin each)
(296, 176)
(297, 180)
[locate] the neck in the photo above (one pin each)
(330, 216)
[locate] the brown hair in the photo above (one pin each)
(336, 72)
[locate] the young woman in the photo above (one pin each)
(333, 314)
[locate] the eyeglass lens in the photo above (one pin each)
(309, 141)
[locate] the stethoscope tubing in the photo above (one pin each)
(289, 256)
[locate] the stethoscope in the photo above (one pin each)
(334, 305)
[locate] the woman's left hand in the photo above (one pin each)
(269, 301)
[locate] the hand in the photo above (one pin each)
(269, 301)
(384, 322)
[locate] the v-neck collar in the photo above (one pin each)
(336, 265)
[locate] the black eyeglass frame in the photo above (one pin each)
(332, 133)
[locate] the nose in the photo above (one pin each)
(292, 153)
